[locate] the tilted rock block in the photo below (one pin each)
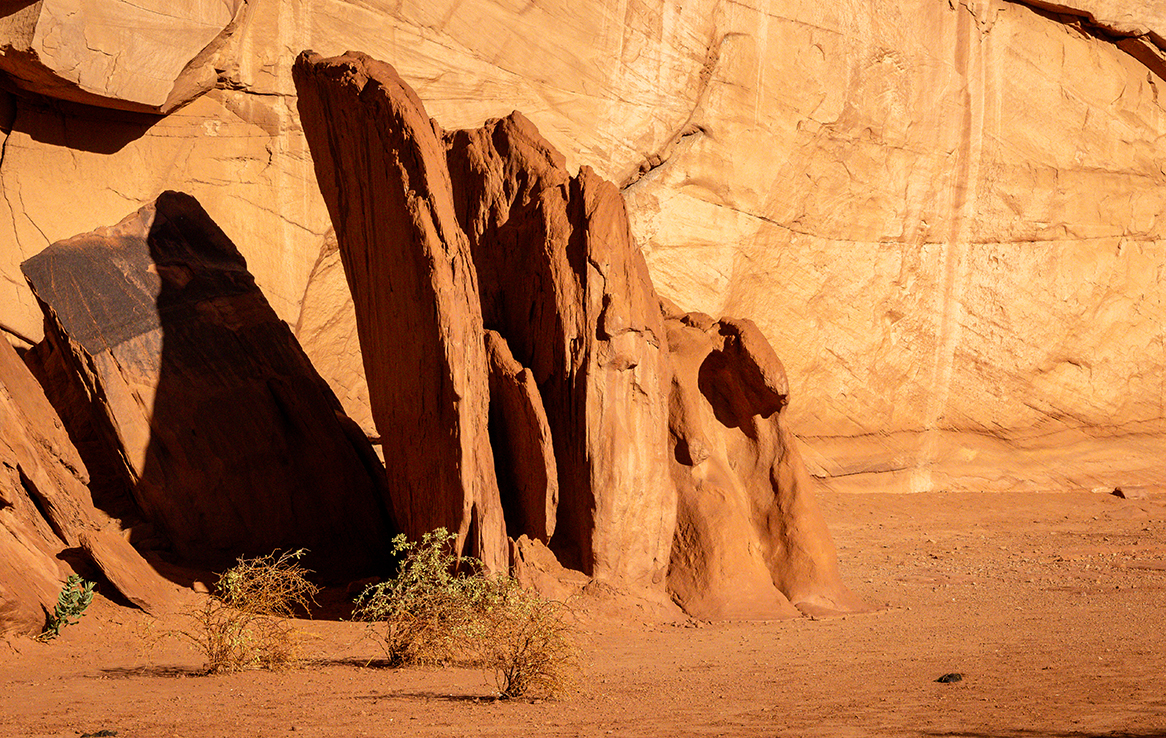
(381, 166)
(192, 394)
(46, 510)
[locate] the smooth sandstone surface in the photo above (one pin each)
(943, 216)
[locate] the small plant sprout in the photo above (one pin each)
(74, 599)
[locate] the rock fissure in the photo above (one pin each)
(687, 128)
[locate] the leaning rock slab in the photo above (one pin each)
(199, 400)
(381, 167)
(524, 452)
(46, 510)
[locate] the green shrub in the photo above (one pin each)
(440, 608)
(74, 599)
(424, 614)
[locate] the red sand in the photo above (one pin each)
(1051, 606)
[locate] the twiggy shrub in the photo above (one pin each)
(440, 608)
(243, 624)
(74, 598)
(529, 644)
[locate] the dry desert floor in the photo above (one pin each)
(1049, 605)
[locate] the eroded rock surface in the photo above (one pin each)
(47, 519)
(561, 279)
(749, 537)
(942, 215)
(197, 402)
(381, 166)
(479, 241)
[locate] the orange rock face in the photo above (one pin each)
(478, 241)
(943, 216)
(749, 537)
(149, 56)
(47, 516)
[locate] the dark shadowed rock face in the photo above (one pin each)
(197, 398)
(524, 454)
(46, 515)
(495, 291)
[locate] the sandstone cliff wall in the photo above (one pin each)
(944, 216)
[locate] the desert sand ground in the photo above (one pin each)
(1050, 605)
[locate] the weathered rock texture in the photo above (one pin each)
(382, 170)
(749, 536)
(520, 369)
(195, 400)
(943, 215)
(47, 519)
(524, 450)
(561, 279)
(147, 56)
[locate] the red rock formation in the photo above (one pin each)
(46, 511)
(524, 453)
(496, 246)
(750, 539)
(561, 279)
(381, 167)
(184, 385)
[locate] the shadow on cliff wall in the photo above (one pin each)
(249, 449)
(204, 417)
(70, 125)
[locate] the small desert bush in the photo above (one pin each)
(528, 643)
(441, 608)
(424, 614)
(72, 601)
(243, 623)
